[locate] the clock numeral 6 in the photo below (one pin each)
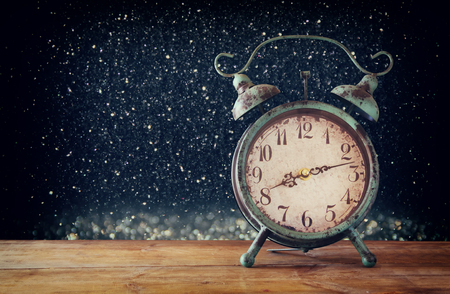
(306, 220)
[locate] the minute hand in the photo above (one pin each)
(326, 167)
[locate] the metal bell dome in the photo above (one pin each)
(359, 98)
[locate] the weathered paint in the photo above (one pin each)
(361, 96)
(368, 258)
(251, 96)
(248, 258)
(276, 232)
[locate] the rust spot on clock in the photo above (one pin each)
(287, 227)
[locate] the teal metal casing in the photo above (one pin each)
(278, 233)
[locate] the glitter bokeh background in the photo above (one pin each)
(114, 123)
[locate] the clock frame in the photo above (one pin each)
(284, 235)
(299, 232)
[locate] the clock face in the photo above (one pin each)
(306, 170)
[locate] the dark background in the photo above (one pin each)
(113, 109)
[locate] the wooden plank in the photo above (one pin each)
(213, 267)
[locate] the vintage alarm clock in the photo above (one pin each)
(305, 174)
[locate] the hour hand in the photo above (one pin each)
(289, 178)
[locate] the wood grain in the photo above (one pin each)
(213, 267)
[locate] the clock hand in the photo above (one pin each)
(304, 174)
(326, 167)
(289, 179)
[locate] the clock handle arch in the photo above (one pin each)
(310, 37)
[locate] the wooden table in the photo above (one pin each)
(213, 267)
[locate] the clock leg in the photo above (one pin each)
(368, 258)
(248, 258)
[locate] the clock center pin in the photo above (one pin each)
(304, 174)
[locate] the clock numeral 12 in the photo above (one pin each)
(307, 127)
